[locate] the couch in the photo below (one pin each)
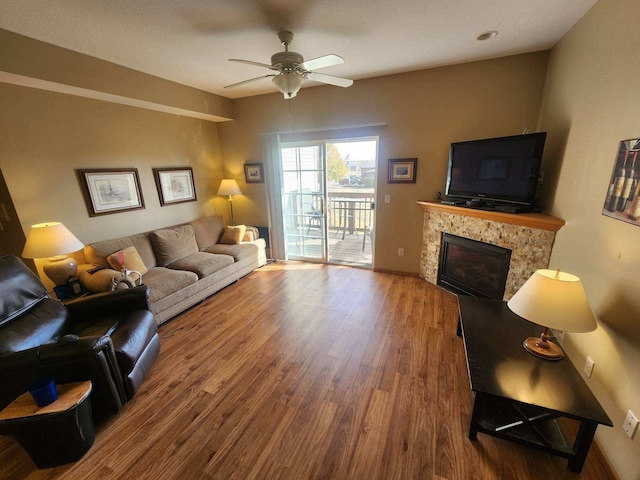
(109, 338)
(182, 265)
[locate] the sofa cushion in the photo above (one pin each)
(164, 281)
(202, 264)
(172, 244)
(129, 258)
(208, 230)
(233, 235)
(98, 252)
(238, 252)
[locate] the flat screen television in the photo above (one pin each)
(497, 171)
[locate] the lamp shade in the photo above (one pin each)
(288, 83)
(554, 299)
(50, 239)
(229, 186)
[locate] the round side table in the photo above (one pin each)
(59, 433)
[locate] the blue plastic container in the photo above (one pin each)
(44, 391)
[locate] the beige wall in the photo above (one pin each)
(46, 136)
(424, 112)
(591, 103)
(27, 60)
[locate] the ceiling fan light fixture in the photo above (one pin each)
(293, 70)
(288, 83)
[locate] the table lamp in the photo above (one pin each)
(229, 187)
(53, 240)
(552, 299)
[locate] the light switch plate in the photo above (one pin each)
(588, 367)
(630, 424)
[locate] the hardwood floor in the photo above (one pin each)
(303, 371)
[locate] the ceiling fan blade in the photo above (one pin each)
(321, 62)
(248, 81)
(258, 64)
(330, 79)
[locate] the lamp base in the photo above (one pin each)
(60, 269)
(546, 350)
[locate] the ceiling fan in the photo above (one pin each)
(293, 70)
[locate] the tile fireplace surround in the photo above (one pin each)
(529, 236)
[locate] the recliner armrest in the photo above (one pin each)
(89, 358)
(55, 352)
(108, 303)
(82, 348)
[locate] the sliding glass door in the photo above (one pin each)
(328, 195)
(304, 201)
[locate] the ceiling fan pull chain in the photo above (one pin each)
(290, 113)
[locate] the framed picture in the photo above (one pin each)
(402, 170)
(623, 194)
(111, 190)
(253, 173)
(175, 185)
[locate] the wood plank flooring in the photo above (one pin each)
(302, 371)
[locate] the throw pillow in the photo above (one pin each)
(129, 258)
(233, 235)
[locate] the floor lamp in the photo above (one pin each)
(229, 187)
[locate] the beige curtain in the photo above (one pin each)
(273, 178)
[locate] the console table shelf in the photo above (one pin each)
(532, 220)
(520, 397)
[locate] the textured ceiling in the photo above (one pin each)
(189, 41)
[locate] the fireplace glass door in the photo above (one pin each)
(474, 268)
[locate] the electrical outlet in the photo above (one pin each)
(387, 198)
(588, 367)
(401, 252)
(630, 424)
(559, 334)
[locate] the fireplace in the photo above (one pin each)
(470, 267)
(529, 237)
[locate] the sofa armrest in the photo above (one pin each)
(108, 303)
(251, 234)
(98, 281)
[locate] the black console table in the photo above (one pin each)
(519, 397)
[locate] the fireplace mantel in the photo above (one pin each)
(529, 236)
(533, 220)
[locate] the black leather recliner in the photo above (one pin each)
(109, 338)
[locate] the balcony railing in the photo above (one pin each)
(347, 212)
(350, 214)
(349, 224)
